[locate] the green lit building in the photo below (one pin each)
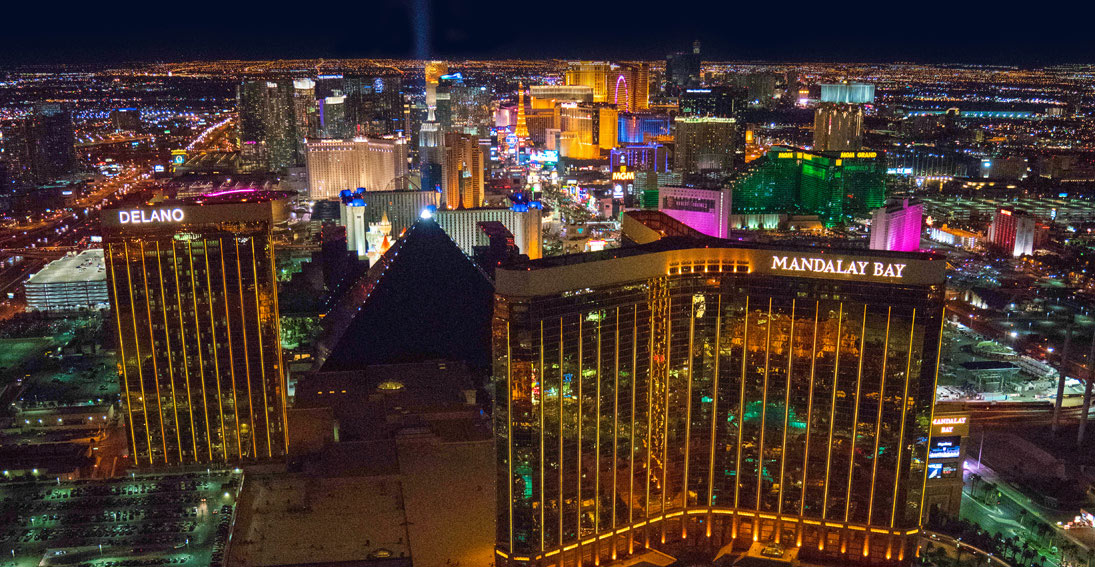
(833, 185)
(693, 394)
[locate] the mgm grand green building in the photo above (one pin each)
(707, 395)
(836, 186)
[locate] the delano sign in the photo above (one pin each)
(144, 216)
(838, 266)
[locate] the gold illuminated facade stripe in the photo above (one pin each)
(764, 402)
(786, 405)
(931, 416)
(690, 363)
(201, 352)
(816, 473)
(904, 413)
(123, 366)
(246, 353)
(262, 354)
(878, 424)
(139, 359)
(231, 352)
(741, 403)
(217, 376)
(809, 411)
(562, 453)
(191, 330)
(170, 354)
(832, 412)
(185, 358)
(152, 347)
(714, 407)
(855, 414)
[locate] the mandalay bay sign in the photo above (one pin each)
(838, 266)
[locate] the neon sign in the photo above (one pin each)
(623, 176)
(848, 268)
(947, 424)
(140, 216)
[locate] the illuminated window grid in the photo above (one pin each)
(595, 325)
(193, 354)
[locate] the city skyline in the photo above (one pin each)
(375, 286)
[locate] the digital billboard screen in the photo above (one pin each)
(945, 447)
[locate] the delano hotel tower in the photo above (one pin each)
(706, 393)
(194, 301)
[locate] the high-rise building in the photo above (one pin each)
(41, 147)
(462, 183)
(462, 226)
(625, 85)
(833, 185)
(640, 128)
(683, 69)
(714, 392)
(544, 97)
(592, 74)
(705, 210)
(897, 226)
(433, 71)
(1016, 232)
(848, 93)
(759, 87)
(431, 152)
(639, 157)
(705, 144)
(304, 108)
(838, 127)
(194, 297)
(269, 130)
(377, 164)
(586, 130)
(463, 107)
(374, 105)
(719, 101)
(629, 87)
(331, 119)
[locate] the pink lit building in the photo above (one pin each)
(897, 226)
(706, 210)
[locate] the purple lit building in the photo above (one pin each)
(706, 210)
(897, 226)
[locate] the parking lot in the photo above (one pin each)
(140, 521)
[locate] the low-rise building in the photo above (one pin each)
(77, 281)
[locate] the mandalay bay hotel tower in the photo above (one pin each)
(194, 301)
(714, 395)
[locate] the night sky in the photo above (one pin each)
(790, 30)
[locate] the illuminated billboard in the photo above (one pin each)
(945, 448)
(943, 425)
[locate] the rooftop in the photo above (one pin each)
(87, 266)
(670, 243)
